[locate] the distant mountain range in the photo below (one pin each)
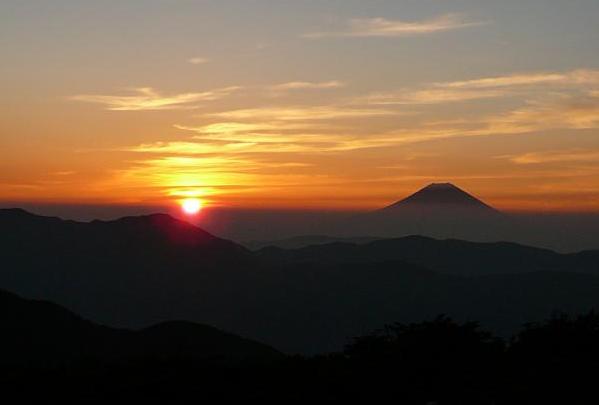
(455, 257)
(139, 271)
(307, 240)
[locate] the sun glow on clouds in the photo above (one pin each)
(298, 105)
(241, 153)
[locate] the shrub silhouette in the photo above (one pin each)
(435, 359)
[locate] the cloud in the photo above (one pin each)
(381, 27)
(280, 147)
(333, 84)
(302, 113)
(575, 77)
(191, 148)
(183, 176)
(428, 96)
(485, 88)
(572, 155)
(147, 99)
(252, 144)
(565, 113)
(219, 128)
(198, 60)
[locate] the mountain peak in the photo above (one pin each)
(442, 195)
(439, 186)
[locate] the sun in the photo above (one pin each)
(191, 206)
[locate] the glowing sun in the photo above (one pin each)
(191, 206)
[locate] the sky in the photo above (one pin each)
(329, 104)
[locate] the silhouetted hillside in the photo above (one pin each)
(182, 339)
(43, 334)
(131, 268)
(429, 361)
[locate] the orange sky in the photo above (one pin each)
(299, 106)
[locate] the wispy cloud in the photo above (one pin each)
(225, 130)
(428, 96)
(198, 60)
(571, 155)
(565, 113)
(146, 98)
(381, 27)
(332, 84)
(485, 88)
(575, 77)
(302, 113)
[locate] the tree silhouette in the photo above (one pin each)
(428, 343)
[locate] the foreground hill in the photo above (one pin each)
(51, 355)
(41, 334)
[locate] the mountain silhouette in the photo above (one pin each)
(445, 196)
(146, 270)
(440, 210)
(143, 268)
(41, 333)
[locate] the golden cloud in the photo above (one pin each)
(301, 113)
(147, 98)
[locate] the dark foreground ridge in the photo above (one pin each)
(440, 361)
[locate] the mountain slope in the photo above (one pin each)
(442, 196)
(39, 333)
(142, 268)
(440, 210)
